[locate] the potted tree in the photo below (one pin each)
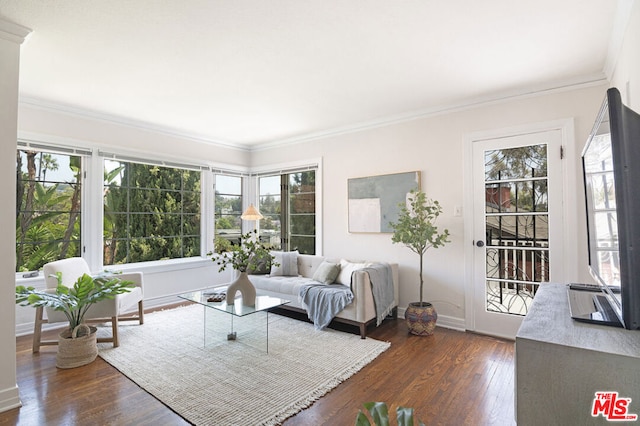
(77, 345)
(415, 229)
(248, 256)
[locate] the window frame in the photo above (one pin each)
(130, 189)
(288, 169)
(84, 154)
(242, 200)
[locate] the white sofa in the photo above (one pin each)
(361, 312)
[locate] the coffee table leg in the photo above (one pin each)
(232, 335)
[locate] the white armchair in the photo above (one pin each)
(111, 310)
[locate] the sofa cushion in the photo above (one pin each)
(287, 263)
(346, 269)
(327, 272)
(289, 286)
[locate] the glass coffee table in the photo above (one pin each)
(246, 325)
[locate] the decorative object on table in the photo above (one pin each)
(415, 229)
(243, 257)
(218, 296)
(374, 200)
(77, 344)
(380, 415)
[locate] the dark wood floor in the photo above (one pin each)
(450, 378)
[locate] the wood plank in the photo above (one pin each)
(451, 377)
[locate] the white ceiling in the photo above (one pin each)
(251, 72)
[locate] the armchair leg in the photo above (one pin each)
(141, 312)
(114, 328)
(37, 330)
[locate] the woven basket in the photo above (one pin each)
(75, 350)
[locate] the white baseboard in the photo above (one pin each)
(444, 321)
(26, 328)
(9, 399)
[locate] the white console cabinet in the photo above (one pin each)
(560, 364)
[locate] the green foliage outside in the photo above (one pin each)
(47, 210)
(527, 162)
(290, 216)
(151, 213)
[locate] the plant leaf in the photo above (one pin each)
(379, 412)
(404, 416)
(362, 420)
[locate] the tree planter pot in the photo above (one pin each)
(246, 289)
(421, 318)
(78, 347)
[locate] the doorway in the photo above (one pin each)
(515, 212)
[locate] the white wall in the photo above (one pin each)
(433, 146)
(626, 75)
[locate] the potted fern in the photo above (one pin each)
(416, 229)
(77, 345)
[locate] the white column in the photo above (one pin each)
(11, 37)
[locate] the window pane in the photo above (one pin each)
(305, 245)
(48, 206)
(228, 208)
(303, 224)
(523, 162)
(270, 207)
(150, 212)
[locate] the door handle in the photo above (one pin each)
(480, 243)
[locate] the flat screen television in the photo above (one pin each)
(611, 169)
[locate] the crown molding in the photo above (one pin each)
(13, 32)
(620, 23)
(119, 120)
(496, 98)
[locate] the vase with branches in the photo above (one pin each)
(248, 256)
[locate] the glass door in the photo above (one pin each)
(517, 203)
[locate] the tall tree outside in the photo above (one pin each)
(48, 203)
(150, 213)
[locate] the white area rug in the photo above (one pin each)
(230, 382)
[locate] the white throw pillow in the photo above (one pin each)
(327, 272)
(346, 269)
(287, 263)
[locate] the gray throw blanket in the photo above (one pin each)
(323, 302)
(381, 279)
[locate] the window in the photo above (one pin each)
(151, 212)
(48, 202)
(288, 204)
(132, 210)
(228, 208)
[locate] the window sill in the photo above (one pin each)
(148, 267)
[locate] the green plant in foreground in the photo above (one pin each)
(73, 301)
(380, 415)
